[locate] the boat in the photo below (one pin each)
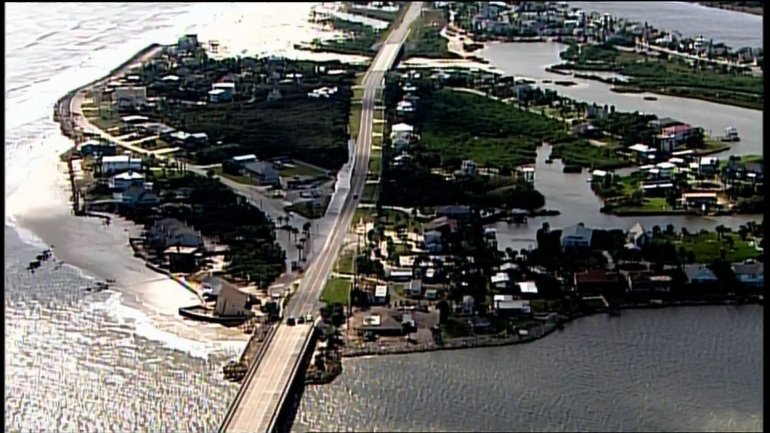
(731, 134)
(650, 98)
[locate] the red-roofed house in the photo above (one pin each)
(672, 137)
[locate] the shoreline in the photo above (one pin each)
(542, 331)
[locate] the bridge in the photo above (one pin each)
(267, 383)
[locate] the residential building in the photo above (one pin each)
(415, 288)
(527, 288)
(501, 280)
(263, 172)
(119, 163)
(505, 305)
(399, 275)
(468, 167)
(699, 275)
(97, 148)
(648, 282)
(173, 232)
(576, 236)
(130, 97)
(381, 294)
(699, 200)
(598, 282)
(401, 130)
(232, 302)
(433, 241)
(457, 212)
(136, 196)
(125, 180)
(637, 236)
(750, 274)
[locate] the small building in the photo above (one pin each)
(750, 274)
(119, 163)
(415, 288)
(133, 121)
(227, 88)
(506, 306)
(468, 305)
(135, 196)
(263, 172)
(125, 180)
(187, 43)
(97, 148)
(433, 241)
(637, 236)
(468, 167)
(381, 294)
(527, 287)
(577, 236)
(431, 294)
(232, 302)
(399, 275)
(647, 282)
(699, 275)
(217, 96)
(441, 224)
(501, 280)
(182, 259)
(529, 174)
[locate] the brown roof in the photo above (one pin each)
(596, 276)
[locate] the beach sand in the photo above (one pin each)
(42, 206)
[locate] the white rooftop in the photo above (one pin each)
(527, 287)
(402, 127)
(639, 148)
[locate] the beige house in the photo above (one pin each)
(232, 302)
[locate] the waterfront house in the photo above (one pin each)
(135, 195)
(577, 236)
(187, 43)
(227, 88)
(528, 172)
(125, 180)
(506, 306)
(750, 274)
(132, 122)
(173, 232)
(97, 148)
(527, 288)
(637, 236)
(702, 201)
(442, 224)
(647, 282)
(182, 259)
(235, 164)
(398, 275)
(232, 302)
(699, 275)
(598, 282)
(263, 172)
(119, 163)
(381, 296)
(500, 281)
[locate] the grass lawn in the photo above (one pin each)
(370, 193)
(235, 178)
(344, 263)
(425, 40)
(336, 290)
(706, 247)
(455, 328)
(354, 122)
(375, 164)
(581, 152)
(747, 159)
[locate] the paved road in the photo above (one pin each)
(262, 389)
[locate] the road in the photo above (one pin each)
(263, 388)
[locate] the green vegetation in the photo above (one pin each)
(580, 152)
(456, 328)
(670, 75)
(301, 169)
(425, 40)
(344, 263)
(377, 14)
(707, 246)
(336, 290)
(236, 178)
(369, 194)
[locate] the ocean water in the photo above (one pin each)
(122, 359)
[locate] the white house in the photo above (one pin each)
(401, 130)
(505, 304)
(119, 164)
(699, 274)
(130, 96)
(576, 236)
(500, 280)
(637, 235)
(468, 167)
(232, 302)
(527, 287)
(126, 179)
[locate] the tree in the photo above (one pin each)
(656, 231)
(210, 174)
(720, 229)
(670, 229)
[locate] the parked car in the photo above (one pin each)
(290, 321)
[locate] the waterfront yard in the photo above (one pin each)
(707, 246)
(581, 152)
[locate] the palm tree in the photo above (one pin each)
(300, 247)
(720, 229)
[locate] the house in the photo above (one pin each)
(399, 275)
(133, 121)
(637, 236)
(125, 180)
(97, 148)
(647, 282)
(454, 211)
(263, 172)
(699, 200)
(505, 305)
(576, 236)
(136, 196)
(173, 232)
(415, 288)
(441, 224)
(529, 173)
(401, 130)
(664, 122)
(404, 107)
(500, 280)
(232, 302)
(527, 287)
(187, 43)
(156, 128)
(381, 294)
(675, 136)
(468, 305)
(750, 274)
(130, 97)
(181, 259)
(598, 282)
(120, 163)
(227, 91)
(433, 242)
(431, 294)
(699, 275)
(235, 164)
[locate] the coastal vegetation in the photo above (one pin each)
(358, 38)
(755, 7)
(336, 291)
(667, 75)
(425, 38)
